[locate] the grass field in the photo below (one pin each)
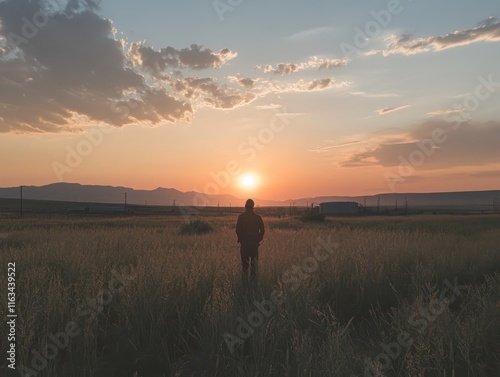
(395, 296)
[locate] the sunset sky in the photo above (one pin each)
(306, 98)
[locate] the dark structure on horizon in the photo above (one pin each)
(339, 208)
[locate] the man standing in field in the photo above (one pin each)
(250, 232)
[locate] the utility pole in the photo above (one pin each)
(21, 213)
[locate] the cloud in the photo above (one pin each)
(206, 91)
(281, 68)
(487, 31)
(74, 6)
(329, 147)
(317, 84)
(246, 83)
(72, 71)
(374, 95)
(270, 106)
(304, 85)
(314, 62)
(193, 57)
(471, 144)
(156, 106)
(311, 33)
(443, 112)
(387, 110)
(352, 144)
(262, 87)
(372, 52)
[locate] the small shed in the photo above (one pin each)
(339, 208)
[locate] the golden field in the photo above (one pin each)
(134, 296)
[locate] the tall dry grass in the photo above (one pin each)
(185, 292)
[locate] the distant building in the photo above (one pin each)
(339, 208)
(100, 209)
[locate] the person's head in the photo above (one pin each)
(249, 204)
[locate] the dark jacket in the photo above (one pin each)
(250, 227)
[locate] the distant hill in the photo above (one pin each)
(74, 192)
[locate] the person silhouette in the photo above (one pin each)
(250, 232)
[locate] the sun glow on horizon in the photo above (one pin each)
(248, 181)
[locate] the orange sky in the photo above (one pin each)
(308, 106)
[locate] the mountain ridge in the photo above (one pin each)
(76, 192)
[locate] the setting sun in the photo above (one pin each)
(248, 181)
